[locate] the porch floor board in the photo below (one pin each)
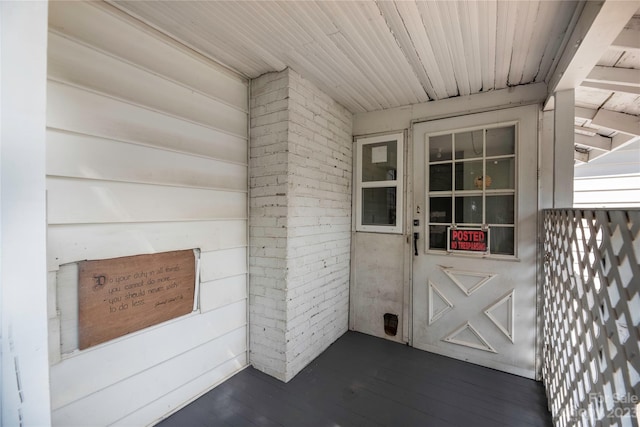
(366, 381)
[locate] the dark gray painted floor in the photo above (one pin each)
(365, 381)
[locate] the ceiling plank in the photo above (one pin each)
(408, 30)
(535, 54)
(506, 29)
(598, 26)
(433, 25)
(619, 121)
(585, 113)
(527, 16)
(455, 19)
(487, 19)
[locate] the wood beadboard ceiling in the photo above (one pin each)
(373, 55)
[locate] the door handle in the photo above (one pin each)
(416, 236)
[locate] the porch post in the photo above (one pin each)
(563, 148)
(24, 373)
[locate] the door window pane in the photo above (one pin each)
(379, 162)
(440, 148)
(501, 141)
(469, 210)
(438, 237)
(501, 240)
(467, 174)
(440, 177)
(379, 206)
(500, 210)
(440, 209)
(469, 145)
(502, 173)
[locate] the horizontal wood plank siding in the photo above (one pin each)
(607, 192)
(146, 153)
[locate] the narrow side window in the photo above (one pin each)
(379, 175)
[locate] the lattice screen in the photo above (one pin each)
(591, 353)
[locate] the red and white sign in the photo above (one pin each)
(468, 240)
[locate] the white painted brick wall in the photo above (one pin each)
(300, 178)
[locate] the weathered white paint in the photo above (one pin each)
(24, 370)
(375, 55)
(301, 163)
(437, 273)
(143, 156)
(377, 284)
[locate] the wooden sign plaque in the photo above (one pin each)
(122, 295)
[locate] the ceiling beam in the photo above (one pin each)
(585, 130)
(580, 156)
(599, 25)
(613, 79)
(621, 139)
(619, 121)
(613, 75)
(596, 141)
(612, 87)
(628, 39)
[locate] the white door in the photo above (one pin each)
(474, 267)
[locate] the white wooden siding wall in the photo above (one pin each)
(614, 192)
(146, 152)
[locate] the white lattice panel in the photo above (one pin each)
(592, 317)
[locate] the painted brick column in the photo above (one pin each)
(300, 220)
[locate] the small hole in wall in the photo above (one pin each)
(390, 324)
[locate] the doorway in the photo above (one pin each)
(475, 225)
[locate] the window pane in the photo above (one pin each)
(440, 148)
(502, 173)
(501, 241)
(469, 210)
(440, 177)
(440, 209)
(379, 206)
(469, 144)
(437, 237)
(379, 161)
(500, 209)
(466, 174)
(501, 141)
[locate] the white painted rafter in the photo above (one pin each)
(595, 141)
(597, 28)
(627, 40)
(613, 120)
(614, 76)
(612, 87)
(580, 156)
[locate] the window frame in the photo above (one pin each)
(361, 142)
